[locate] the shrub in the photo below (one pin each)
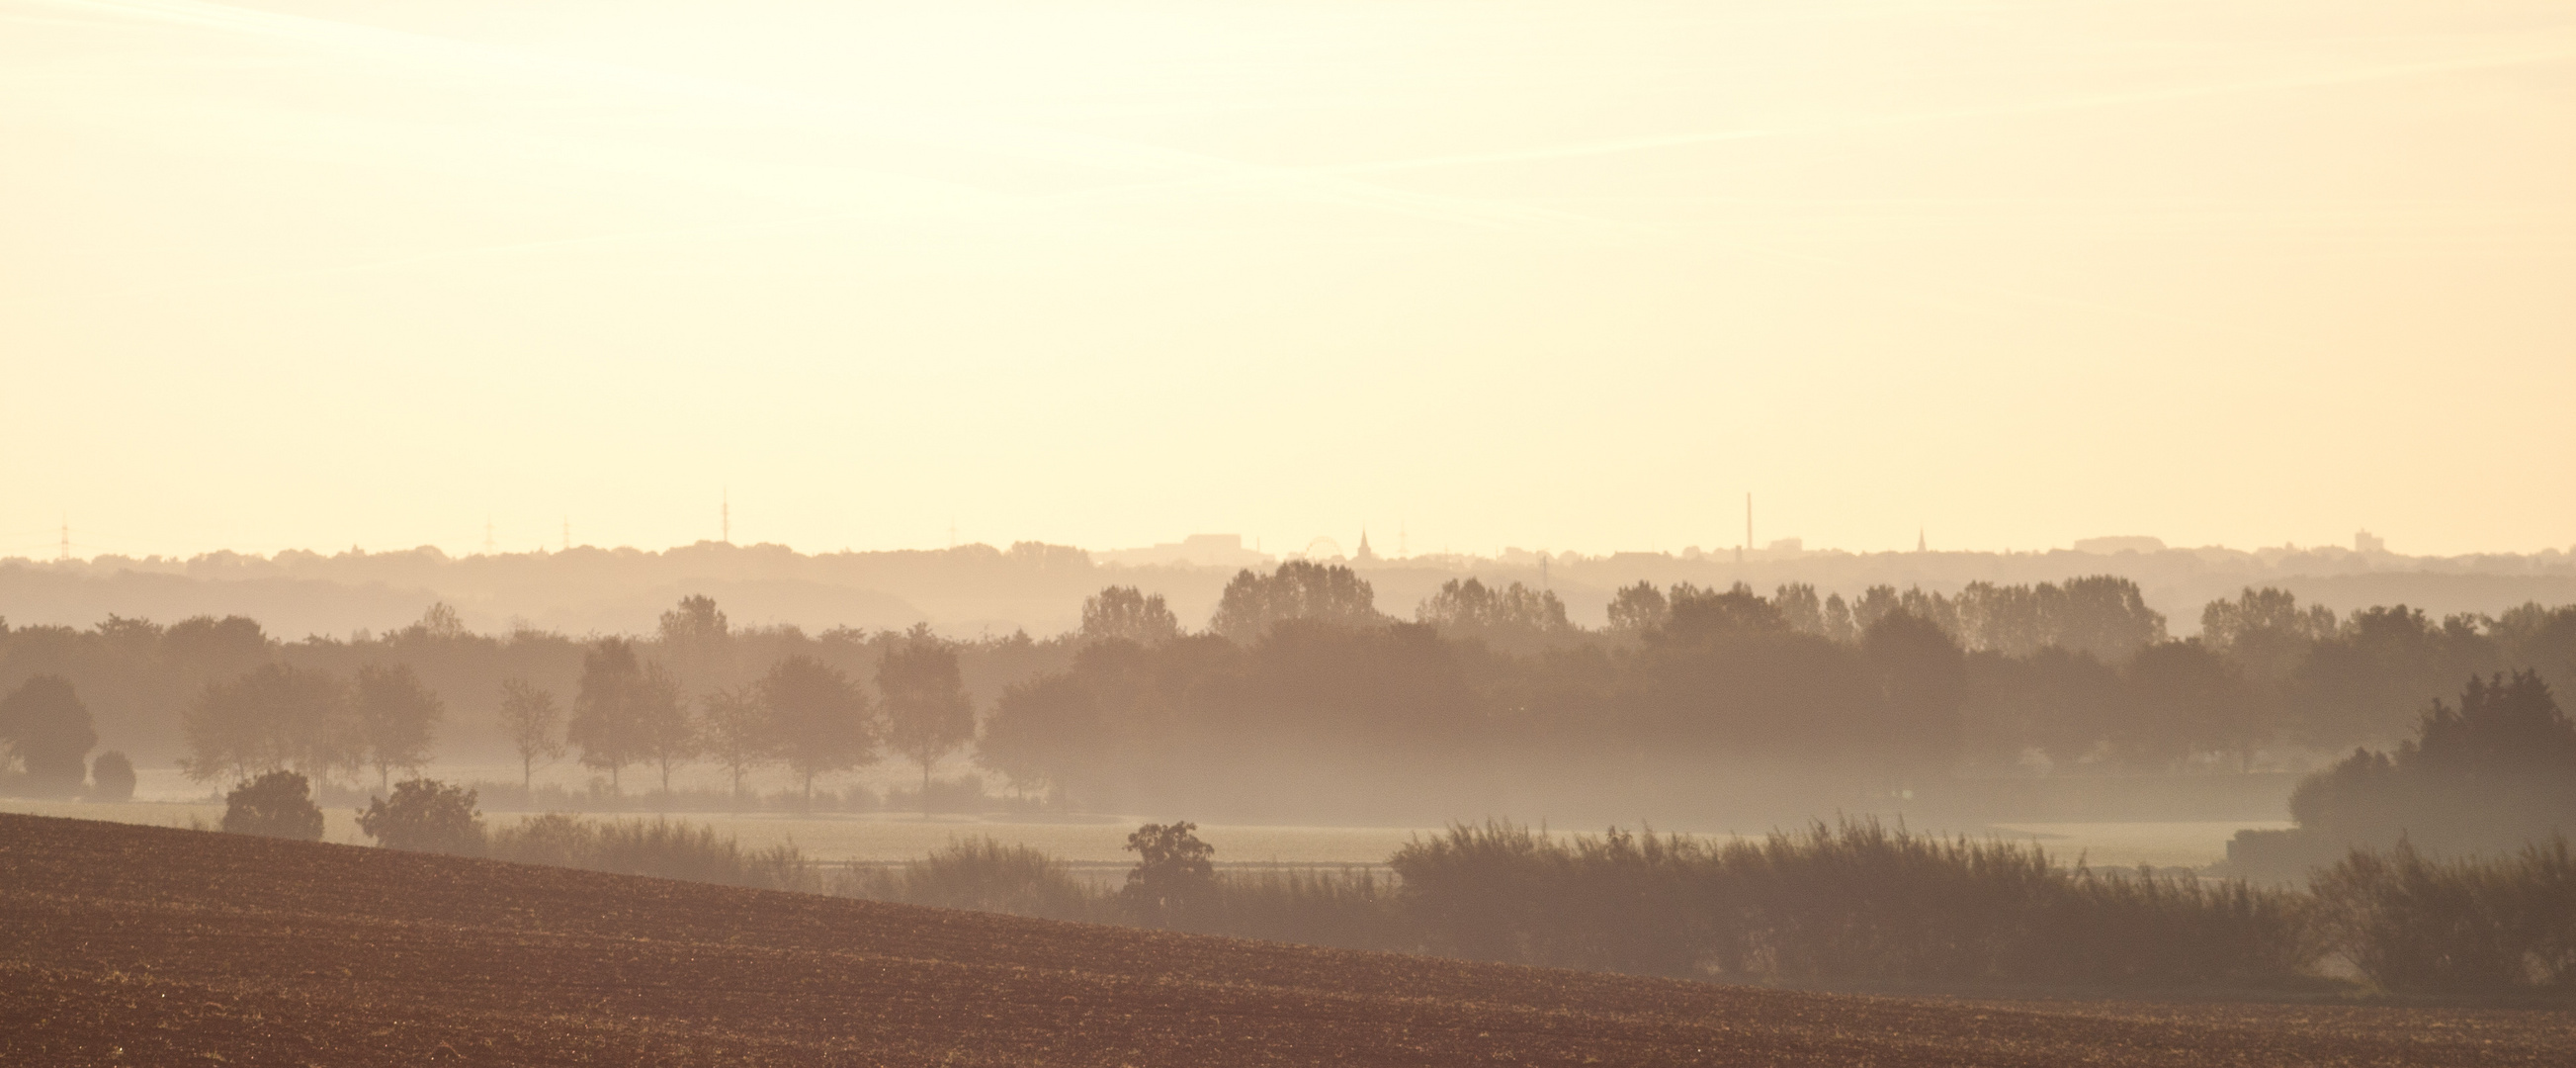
(2411, 923)
(984, 875)
(1852, 903)
(427, 816)
(1353, 908)
(278, 804)
(1172, 877)
(660, 848)
(111, 777)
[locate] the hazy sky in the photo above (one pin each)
(1560, 274)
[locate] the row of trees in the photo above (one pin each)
(627, 711)
(1298, 668)
(802, 713)
(312, 722)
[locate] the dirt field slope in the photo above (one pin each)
(149, 946)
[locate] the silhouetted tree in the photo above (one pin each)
(1126, 613)
(1299, 589)
(427, 816)
(1515, 617)
(278, 804)
(607, 714)
(45, 728)
(1634, 610)
(738, 731)
(1922, 677)
(2365, 684)
(530, 718)
(2495, 772)
(2185, 698)
(822, 718)
(397, 718)
(927, 713)
(666, 736)
(111, 777)
(1799, 608)
(276, 717)
(698, 644)
(2265, 631)
(1172, 873)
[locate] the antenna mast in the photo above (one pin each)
(725, 514)
(67, 538)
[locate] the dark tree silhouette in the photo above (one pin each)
(427, 816)
(275, 717)
(608, 712)
(1299, 589)
(397, 718)
(738, 730)
(112, 777)
(926, 709)
(1128, 614)
(823, 720)
(533, 723)
(1172, 873)
(278, 804)
(45, 728)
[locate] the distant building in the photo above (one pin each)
(2134, 543)
(2367, 542)
(1199, 550)
(1366, 555)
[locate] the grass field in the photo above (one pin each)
(133, 945)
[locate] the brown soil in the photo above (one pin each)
(142, 945)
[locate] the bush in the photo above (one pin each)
(1852, 903)
(1172, 878)
(426, 816)
(984, 875)
(660, 848)
(2411, 923)
(111, 777)
(278, 804)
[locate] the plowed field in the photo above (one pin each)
(141, 945)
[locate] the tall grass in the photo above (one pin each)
(2473, 925)
(660, 847)
(985, 875)
(1856, 902)
(1853, 904)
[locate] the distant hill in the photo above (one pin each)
(140, 945)
(972, 590)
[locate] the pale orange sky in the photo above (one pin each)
(1550, 274)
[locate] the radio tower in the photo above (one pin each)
(487, 535)
(67, 538)
(727, 516)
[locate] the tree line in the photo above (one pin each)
(1299, 688)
